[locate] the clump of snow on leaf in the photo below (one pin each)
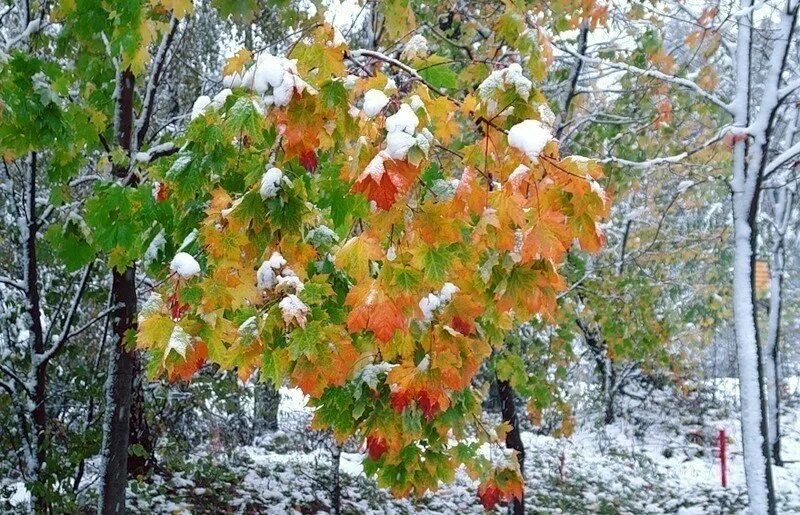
(322, 236)
(293, 310)
(270, 72)
(530, 137)
(200, 105)
(249, 328)
(369, 374)
(500, 80)
(266, 277)
(184, 265)
(401, 127)
(374, 102)
(434, 301)
(289, 283)
(276, 261)
(416, 47)
(270, 183)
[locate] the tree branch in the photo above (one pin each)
(672, 79)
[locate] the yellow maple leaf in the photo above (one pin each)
(236, 63)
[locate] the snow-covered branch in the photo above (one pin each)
(153, 153)
(781, 159)
(67, 325)
(33, 27)
(143, 123)
(677, 158)
(672, 79)
(11, 282)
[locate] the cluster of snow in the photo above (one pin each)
(401, 133)
(274, 273)
(270, 73)
(529, 136)
(205, 104)
(322, 236)
(500, 80)
(293, 310)
(416, 47)
(435, 301)
(369, 374)
(184, 265)
(374, 102)
(270, 183)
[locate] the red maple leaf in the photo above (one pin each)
(489, 495)
(376, 447)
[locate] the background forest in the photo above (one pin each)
(399, 256)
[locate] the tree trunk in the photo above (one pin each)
(38, 367)
(336, 479)
(513, 437)
(782, 211)
(266, 401)
(749, 161)
(141, 463)
(121, 367)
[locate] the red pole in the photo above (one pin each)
(723, 457)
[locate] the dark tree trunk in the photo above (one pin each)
(140, 464)
(39, 410)
(266, 400)
(513, 437)
(336, 487)
(122, 359)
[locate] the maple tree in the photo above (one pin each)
(383, 254)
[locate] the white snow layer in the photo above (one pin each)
(374, 102)
(416, 47)
(270, 183)
(529, 136)
(184, 265)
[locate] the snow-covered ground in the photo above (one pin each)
(659, 457)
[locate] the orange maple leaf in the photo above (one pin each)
(373, 310)
(384, 179)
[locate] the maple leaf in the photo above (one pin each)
(376, 447)
(194, 360)
(547, 238)
(374, 311)
(178, 7)
(384, 179)
(355, 255)
(236, 63)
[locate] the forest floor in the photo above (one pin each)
(659, 456)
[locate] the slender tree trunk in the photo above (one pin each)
(513, 437)
(772, 362)
(751, 376)
(38, 367)
(266, 401)
(139, 464)
(336, 478)
(782, 212)
(119, 383)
